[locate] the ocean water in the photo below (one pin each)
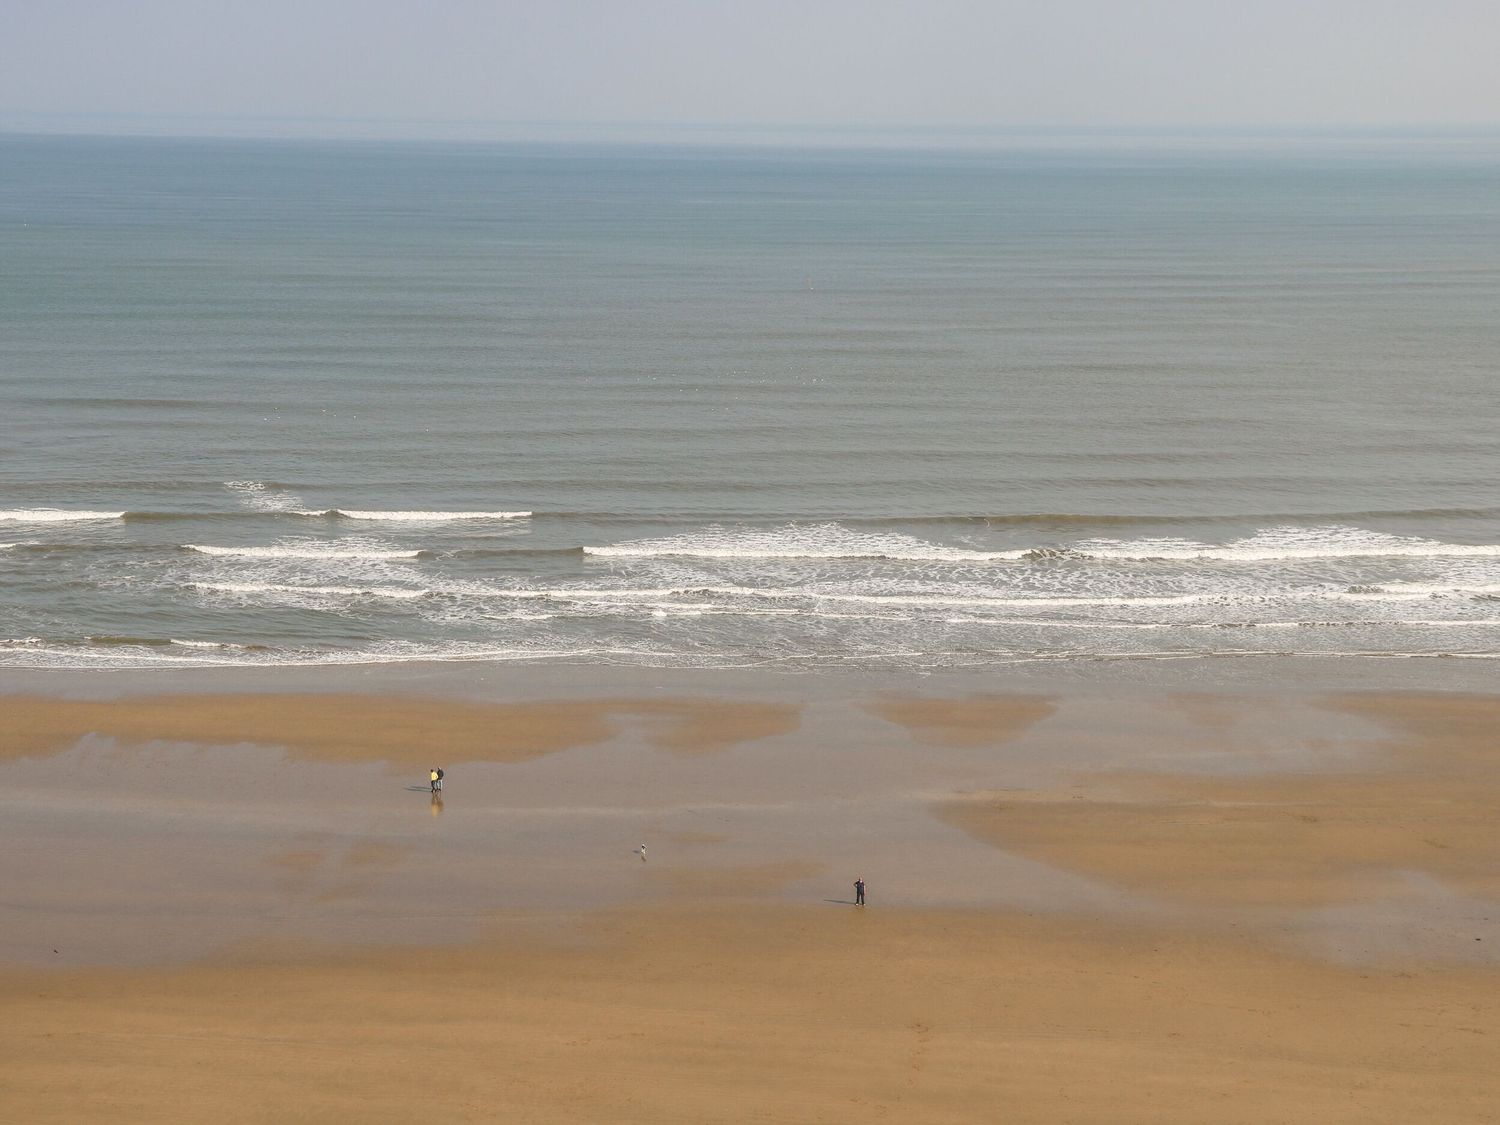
(284, 403)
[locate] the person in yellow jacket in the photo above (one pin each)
(435, 776)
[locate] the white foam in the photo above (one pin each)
(1271, 544)
(1423, 590)
(416, 516)
(652, 594)
(1460, 623)
(1234, 625)
(454, 654)
(218, 645)
(177, 654)
(563, 593)
(930, 554)
(306, 552)
(831, 541)
(315, 591)
(54, 515)
(939, 598)
(824, 541)
(259, 496)
(976, 599)
(1377, 594)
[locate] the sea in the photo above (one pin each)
(685, 405)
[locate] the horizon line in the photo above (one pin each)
(472, 130)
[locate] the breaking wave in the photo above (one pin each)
(263, 497)
(1285, 543)
(826, 541)
(411, 517)
(298, 552)
(833, 541)
(54, 515)
(314, 591)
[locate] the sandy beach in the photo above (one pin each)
(1089, 906)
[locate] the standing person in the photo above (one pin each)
(643, 853)
(433, 777)
(859, 891)
(440, 779)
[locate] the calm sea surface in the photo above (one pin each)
(331, 403)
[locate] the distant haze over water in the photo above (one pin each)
(308, 402)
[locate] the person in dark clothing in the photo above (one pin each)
(859, 891)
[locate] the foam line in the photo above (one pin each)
(54, 515)
(833, 542)
(295, 553)
(781, 594)
(1254, 554)
(219, 645)
(933, 554)
(322, 591)
(412, 516)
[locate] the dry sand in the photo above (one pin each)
(739, 1012)
(1142, 950)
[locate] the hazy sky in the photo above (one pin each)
(447, 67)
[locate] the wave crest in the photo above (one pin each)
(54, 515)
(824, 541)
(314, 591)
(411, 516)
(833, 541)
(1285, 543)
(263, 497)
(281, 552)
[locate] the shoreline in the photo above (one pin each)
(504, 681)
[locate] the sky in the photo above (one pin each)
(465, 68)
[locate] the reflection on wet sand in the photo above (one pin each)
(1110, 862)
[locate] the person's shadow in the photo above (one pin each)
(842, 901)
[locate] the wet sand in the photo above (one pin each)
(1280, 838)
(403, 732)
(1153, 906)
